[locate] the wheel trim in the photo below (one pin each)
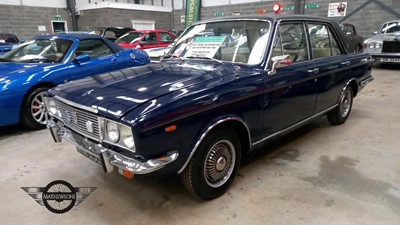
(345, 104)
(219, 163)
(38, 109)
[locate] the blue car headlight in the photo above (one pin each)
(117, 134)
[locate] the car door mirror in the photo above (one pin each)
(82, 58)
(375, 33)
(276, 60)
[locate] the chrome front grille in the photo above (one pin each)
(391, 47)
(83, 122)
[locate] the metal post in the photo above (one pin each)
(71, 7)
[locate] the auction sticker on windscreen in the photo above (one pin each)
(205, 46)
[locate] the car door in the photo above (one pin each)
(102, 59)
(165, 38)
(290, 90)
(149, 40)
(331, 64)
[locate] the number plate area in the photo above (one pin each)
(391, 60)
(97, 158)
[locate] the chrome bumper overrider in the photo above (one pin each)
(106, 157)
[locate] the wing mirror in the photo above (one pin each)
(276, 60)
(375, 33)
(82, 58)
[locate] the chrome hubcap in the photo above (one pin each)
(38, 109)
(219, 164)
(345, 104)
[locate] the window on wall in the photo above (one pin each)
(143, 24)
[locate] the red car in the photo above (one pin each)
(145, 39)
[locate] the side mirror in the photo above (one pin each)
(375, 33)
(82, 58)
(276, 60)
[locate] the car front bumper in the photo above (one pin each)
(108, 158)
(386, 57)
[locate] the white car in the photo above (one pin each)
(384, 46)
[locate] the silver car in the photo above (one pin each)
(384, 46)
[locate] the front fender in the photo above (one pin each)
(212, 126)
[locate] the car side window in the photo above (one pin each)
(166, 37)
(291, 40)
(149, 38)
(323, 42)
(93, 47)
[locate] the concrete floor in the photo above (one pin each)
(320, 174)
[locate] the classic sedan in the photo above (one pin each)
(384, 46)
(356, 41)
(208, 103)
(7, 42)
(146, 39)
(35, 66)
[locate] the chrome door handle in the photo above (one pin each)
(346, 63)
(315, 70)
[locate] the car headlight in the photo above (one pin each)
(112, 131)
(117, 134)
(52, 107)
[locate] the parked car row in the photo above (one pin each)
(224, 87)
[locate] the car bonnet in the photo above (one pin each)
(116, 93)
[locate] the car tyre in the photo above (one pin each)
(33, 111)
(214, 165)
(340, 114)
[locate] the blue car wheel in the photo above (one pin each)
(34, 113)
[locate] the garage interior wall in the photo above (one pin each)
(122, 17)
(367, 20)
(25, 20)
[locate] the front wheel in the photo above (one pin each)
(214, 165)
(33, 112)
(340, 114)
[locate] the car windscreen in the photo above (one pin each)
(39, 51)
(390, 27)
(131, 37)
(232, 41)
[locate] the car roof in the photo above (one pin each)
(78, 36)
(137, 31)
(272, 17)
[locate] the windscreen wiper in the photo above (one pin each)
(203, 57)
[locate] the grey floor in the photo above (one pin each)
(320, 174)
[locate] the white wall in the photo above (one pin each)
(40, 3)
(84, 5)
(208, 3)
(178, 4)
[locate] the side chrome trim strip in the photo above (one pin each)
(294, 126)
(76, 105)
(205, 134)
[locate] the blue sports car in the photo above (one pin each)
(30, 69)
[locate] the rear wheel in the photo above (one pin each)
(33, 112)
(214, 165)
(340, 114)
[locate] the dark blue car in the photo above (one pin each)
(7, 42)
(33, 67)
(211, 100)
